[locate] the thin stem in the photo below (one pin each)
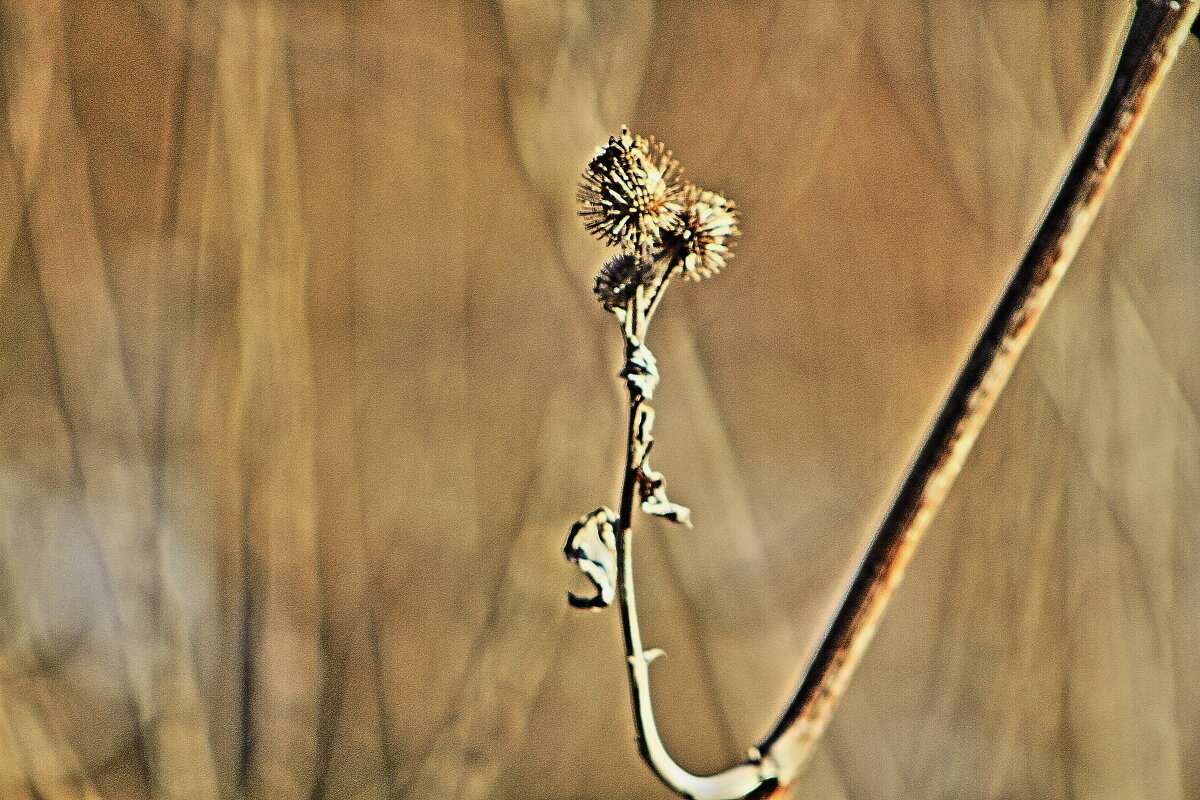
(660, 289)
(733, 783)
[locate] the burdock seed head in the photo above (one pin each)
(620, 278)
(702, 241)
(629, 194)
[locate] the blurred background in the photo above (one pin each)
(302, 385)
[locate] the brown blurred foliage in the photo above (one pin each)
(301, 386)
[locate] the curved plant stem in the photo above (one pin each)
(743, 778)
(733, 783)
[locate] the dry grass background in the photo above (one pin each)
(301, 387)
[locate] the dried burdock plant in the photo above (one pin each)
(619, 279)
(631, 198)
(705, 235)
(630, 190)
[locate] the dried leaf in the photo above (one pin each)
(641, 369)
(653, 491)
(592, 544)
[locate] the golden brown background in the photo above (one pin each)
(301, 386)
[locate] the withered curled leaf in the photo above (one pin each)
(641, 369)
(592, 544)
(652, 488)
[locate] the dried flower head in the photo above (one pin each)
(630, 191)
(704, 239)
(620, 278)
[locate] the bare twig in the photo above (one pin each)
(732, 783)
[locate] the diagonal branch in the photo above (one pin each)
(1155, 34)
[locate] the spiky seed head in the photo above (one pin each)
(629, 194)
(704, 238)
(619, 279)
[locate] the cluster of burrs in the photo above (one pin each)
(632, 197)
